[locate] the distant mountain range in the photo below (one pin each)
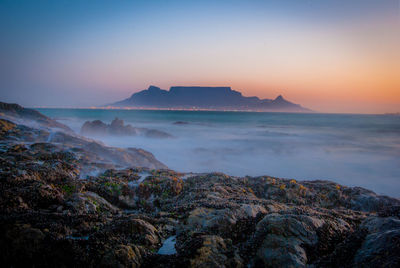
(213, 98)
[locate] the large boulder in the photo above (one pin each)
(123, 256)
(222, 221)
(381, 245)
(95, 127)
(285, 240)
(375, 243)
(136, 231)
(154, 133)
(208, 251)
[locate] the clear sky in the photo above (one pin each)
(330, 56)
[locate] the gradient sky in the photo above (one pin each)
(330, 56)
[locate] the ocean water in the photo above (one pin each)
(354, 150)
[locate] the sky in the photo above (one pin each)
(331, 56)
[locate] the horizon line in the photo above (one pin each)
(197, 110)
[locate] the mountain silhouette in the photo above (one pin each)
(214, 98)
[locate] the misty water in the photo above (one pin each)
(354, 150)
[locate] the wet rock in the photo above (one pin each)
(138, 230)
(121, 157)
(286, 238)
(366, 200)
(164, 187)
(381, 243)
(373, 244)
(221, 221)
(212, 251)
(123, 256)
(25, 239)
(379, 224)
(251, 210)
(118, 128)
(89, 203)
(114, 189)
(15, 112)
(89, 153)
(95, 127)
(202, 219)
(154, 133)
(6, 126)
(379, 249)
(181, 123)
(390, 211)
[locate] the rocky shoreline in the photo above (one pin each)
(70, 201)
(118, 128)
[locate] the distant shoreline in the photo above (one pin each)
(171, 109)
(198, 110)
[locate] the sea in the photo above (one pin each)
(350, 149)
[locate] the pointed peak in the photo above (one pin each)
(151, 87)
(279, 98)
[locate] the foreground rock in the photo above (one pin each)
(49, 216)
(121, 217)
(117, 128)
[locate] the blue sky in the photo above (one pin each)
(82, 53)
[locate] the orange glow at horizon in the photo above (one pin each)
(344, 68)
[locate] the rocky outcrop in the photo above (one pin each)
(17, 113)
(52, 215)
(294, 240)
(180, 123)
(122, 217)
(117, 128)
(89, 203)
(91, 156)
(380, 245)
(95, 127)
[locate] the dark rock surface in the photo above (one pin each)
(91, 155)
(118, 128)
(66, 202)
(218, 98)
(17, 113)
(51, 139)
(181, 123)
(122, 217)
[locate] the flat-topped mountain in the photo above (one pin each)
(216, 98)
